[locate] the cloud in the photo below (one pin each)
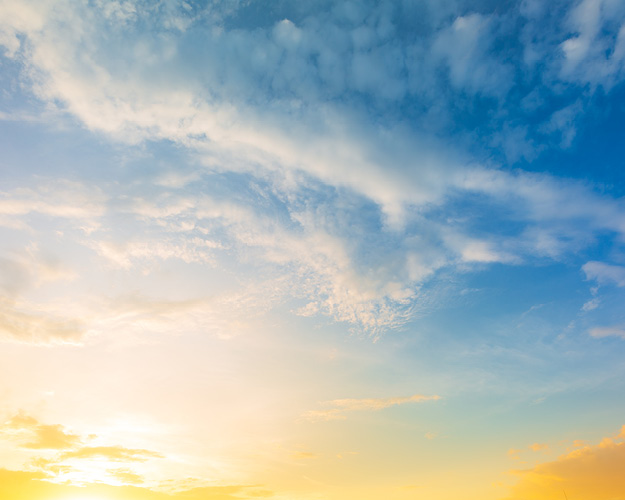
(21, 421)
(539, 447)
(71, 451)
(391, 165)
(55, 198)
(591, 54)
(223, 315)
(326, 244)
(377, 404)
(604, 273)
(466, 46)
(591, 305)
(324, 415)
(562, 122)
(300, 113)
(127, 254)
(53, 437)
(587, 472)
(195, 228)
(600, 332)
(25, 323)
(30, 268)
(343, 406)
(125, 476)
(15, 485)
(40, 436)
(26, 271)
(111, 453)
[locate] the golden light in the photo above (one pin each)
(81, 496)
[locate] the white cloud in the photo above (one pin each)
(592, 55)
(283, 106)
(591, 305)
(319, 248)
(55, 198)
(465, 47)
(604, 273)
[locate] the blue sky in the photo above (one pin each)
(340, 205)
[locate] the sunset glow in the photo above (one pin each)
(312, 250)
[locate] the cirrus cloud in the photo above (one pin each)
(339, 407)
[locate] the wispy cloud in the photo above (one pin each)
(55, 198)
(126, 476)
(465, 47)
(339, 407)
(605, 273)
(111, 453)
(25, 322)
(539, 447)
(608, 331)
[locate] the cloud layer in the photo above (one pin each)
(301, 113)
(585, 472)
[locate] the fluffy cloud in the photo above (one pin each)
(53, 437)
(70, 448)
(300, 115)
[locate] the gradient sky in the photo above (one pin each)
(316, 250)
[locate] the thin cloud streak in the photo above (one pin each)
(343, 406)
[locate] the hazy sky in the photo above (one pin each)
(312, 250)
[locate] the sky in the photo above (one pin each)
(322, 250)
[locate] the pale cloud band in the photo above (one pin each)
(339, 407)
